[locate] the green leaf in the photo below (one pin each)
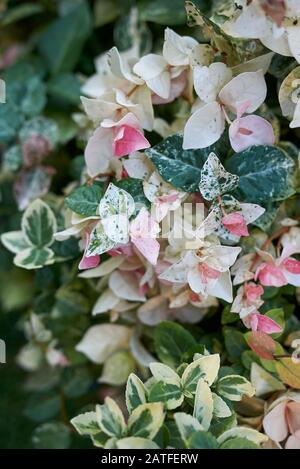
(52, 435)
(202, 440)
(39, 224)
(10, 122)
(170, 394)
(146, 420)
(182, 168)
(166, 12)
(41, 407)
(206, 367)
(86, 424)
(85, 200)
(239, 443)
(13, 158)
(235, 343)
(134, 187)
(234, 387)
(61, 43)
(265, 174)
(110, 418)
(20, 12)
(171, 342)
(65, 87)
(135, 392)
(106, 11)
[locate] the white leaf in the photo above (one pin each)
(204, 127)
(248, 86)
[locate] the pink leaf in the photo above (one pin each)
(236, 224)
(270, 275)
(128, 140)
(250, 130)
(260, 322)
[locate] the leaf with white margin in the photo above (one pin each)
(263, 381)
(221, 409)
(208, 81)
(177, 49)
(146, 420)
(215, 180)
(164, 373)
(204, 367)
(125, 286)
(106, 302)
(203, 405)
(169, 394)
(86, 424)
(187, 424)
(34, 258)
(99, 242)
(204, 127)
(39, 224)
(248, 86)
(14, 241)
(234, 387)
(105, 268)
(133, 442)
(135, 393)
(101, 340)
(243, 432)
(110, 418)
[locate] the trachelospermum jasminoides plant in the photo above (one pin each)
(186, 208)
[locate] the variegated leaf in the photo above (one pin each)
(146, 420)
(110, 418)
(215, 180)
(39, 224)
(203, 405)
(204, 367)
(135, 392)
(234, 387)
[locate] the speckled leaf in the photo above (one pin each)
(215, 180)
(99, 242)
